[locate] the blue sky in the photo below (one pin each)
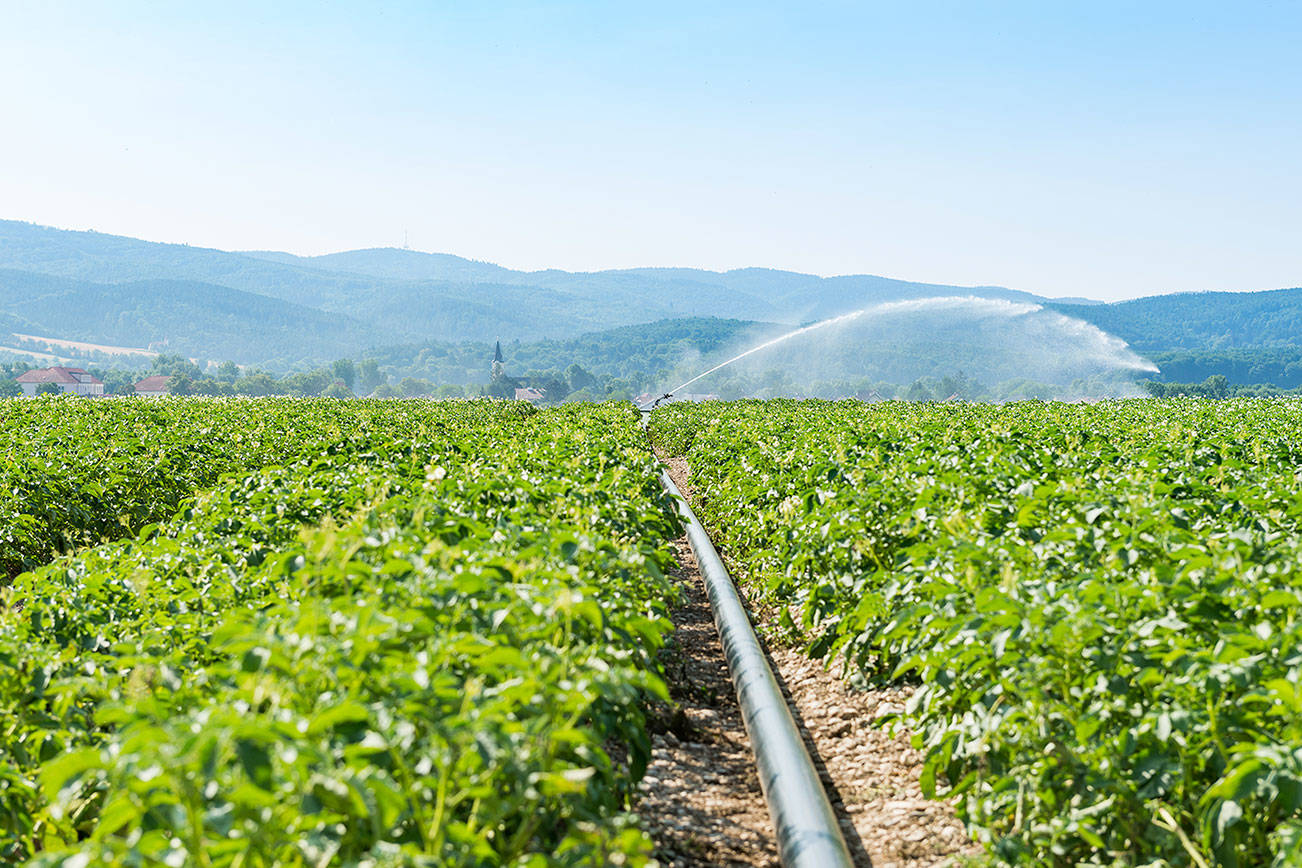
(1101, 149)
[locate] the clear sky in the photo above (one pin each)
(1109, 149)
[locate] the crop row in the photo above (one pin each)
(432, 650)
(75, 473)
(1101, 605)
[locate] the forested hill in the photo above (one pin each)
(284, 311)
(388, 296)
(201, 320)
(629, 353)
(1200, 320)
(1276, 366)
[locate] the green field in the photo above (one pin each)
(1100, 603)
(298, 632)
(382, 634)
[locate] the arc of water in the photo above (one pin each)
(779, 339)
(1007, 308)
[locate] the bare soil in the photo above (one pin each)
(701, 798)
(870, 775)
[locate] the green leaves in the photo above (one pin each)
(344, 658)
(77, 474)
(1103, 603)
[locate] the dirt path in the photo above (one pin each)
(703, 804)
(870, 776)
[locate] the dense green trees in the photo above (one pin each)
(256, 384)
(369, 377)
(1201, 321)
(345, 371)
(579, 378)
(1215, 386)
(1277, 366)
(118, 381)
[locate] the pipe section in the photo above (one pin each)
(808, 833)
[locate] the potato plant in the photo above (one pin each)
(431, 646)
(74, 473)
(1101, 605)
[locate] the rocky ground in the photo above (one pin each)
(702, 802)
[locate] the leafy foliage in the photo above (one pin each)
(1100, 603)
(76, 472)
(420, 646)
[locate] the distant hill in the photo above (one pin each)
(396, 264)
(1276, 366)
(390, 296)
(266, 307)
(1200, 320)
(627, 352)
(194, 319)
(762, 293)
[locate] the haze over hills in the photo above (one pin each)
(785, 294)
(282, 310)
(197, 319)
(388, 296)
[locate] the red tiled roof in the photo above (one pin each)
(156, 383)
(58, 375)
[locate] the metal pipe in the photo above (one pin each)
(808, 833)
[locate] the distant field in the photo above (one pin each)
(89, 347)
(32, 354)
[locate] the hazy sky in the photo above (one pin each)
(1094, 148)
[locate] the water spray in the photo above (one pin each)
(1101, 345)
(779, 339)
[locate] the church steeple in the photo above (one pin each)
(499, 369)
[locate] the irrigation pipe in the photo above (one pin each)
(808, 833)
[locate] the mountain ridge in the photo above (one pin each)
(301, 309)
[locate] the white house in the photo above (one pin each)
(70, 381)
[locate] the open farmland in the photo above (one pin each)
(417, 632)
(312, 632)
(1100, 604)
